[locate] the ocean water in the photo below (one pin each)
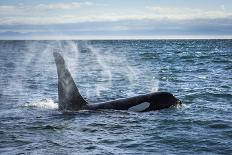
(199, 72)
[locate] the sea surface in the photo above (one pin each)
(198, 72)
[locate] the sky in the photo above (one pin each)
(115, 19)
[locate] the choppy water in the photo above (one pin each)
(199, 72)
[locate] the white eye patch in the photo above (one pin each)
(140, 107)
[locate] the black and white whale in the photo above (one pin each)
(71, 100)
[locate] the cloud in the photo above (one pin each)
(64, 6)
(36, 10)
(62, 13)
(189, 13)
(52, 13)
(149, 26)
(223, 7)
(65, 19)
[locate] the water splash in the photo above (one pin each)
(42, 104)
(105, 68)
(71, 54)
(37, 67)
(154, 84)
(117, 65)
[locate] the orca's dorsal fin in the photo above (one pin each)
(69, 96)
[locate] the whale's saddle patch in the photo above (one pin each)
(140, 107)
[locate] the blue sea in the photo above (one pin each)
(198, 72)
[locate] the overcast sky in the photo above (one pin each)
(102, 19)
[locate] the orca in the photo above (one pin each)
(70, 98)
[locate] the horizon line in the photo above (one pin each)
(183, 37)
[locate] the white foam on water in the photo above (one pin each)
(182, 106)
(42, 104)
